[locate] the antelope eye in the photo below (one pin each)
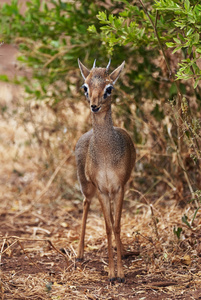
(109, 90)
(85, 88)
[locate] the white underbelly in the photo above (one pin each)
(107, 181)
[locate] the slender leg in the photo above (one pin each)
(106, 208)
(86, 205)
(118, 203)
(122, 247)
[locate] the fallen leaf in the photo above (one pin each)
(64, 224)
(186, 260)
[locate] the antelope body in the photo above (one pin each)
(105, 157)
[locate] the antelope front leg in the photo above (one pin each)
(118, 203)
(122, 246)
(86, 204)
(106, 208)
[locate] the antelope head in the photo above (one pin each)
(98, 85)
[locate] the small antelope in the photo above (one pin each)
(105, 157)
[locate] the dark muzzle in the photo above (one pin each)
(94, 108)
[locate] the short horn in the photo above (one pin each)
(94, 65)
(108, 65)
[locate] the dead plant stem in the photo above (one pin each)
(3, 244)
(154, 221)
(57, 250)
(179, 95)
(25, 252)
(2, 252)
(58, 168)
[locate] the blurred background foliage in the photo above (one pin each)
(157, 99)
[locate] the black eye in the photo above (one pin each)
(109, 90)
(84, 87)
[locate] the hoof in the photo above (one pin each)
(112, 280)
(121, 280)
(78, 259)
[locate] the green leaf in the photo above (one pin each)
(177, 40)
(92, 29)
(185, 220)
(190, 50)
(196, 38)
(177, 49)
(177, 232)
(181, 37)
(194, 216)
(111, 19)
(4, 78)
(170, 44)
(102, 16)
(187, 5)
(196, 83)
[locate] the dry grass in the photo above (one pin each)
(40, 217)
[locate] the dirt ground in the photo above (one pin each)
(40, 226)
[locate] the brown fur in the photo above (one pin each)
(105, 157)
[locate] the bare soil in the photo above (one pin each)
(40, 219)
(38, 248)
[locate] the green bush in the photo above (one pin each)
(159, 100)
(50, 35)
(158, 27)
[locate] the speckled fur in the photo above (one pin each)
(105, 157)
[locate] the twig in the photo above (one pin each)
(3, 244)
(58, 168)
(179, 93)
(154, 221)
(142, 196)
(152, 212)
(23, 238)
(149, 239)
(57, 250)
(25, 252)
(157, 36)
(24, 211)
(17, 240)
(63, 51)
(2, 252)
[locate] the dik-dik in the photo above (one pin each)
(105, 157)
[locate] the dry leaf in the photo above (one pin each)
(57, 284)
(64, 224)
(186, 260)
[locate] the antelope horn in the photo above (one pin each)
(94, 65)
(108, 65)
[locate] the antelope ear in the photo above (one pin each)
(115, 74)
(84, 71)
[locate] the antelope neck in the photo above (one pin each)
(102, 125)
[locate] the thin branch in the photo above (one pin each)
(57, 250)
(179, 93)
(58, 168)
(157, 36)
(154, 221)
(27, 254)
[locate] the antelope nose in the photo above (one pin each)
(94, 108)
